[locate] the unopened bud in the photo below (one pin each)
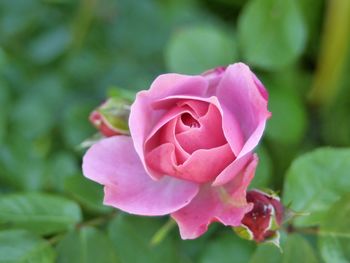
(263, 221)
(111, 117)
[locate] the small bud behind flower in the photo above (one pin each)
(111, 117)
(261, 224)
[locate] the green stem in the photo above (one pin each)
(97, 220)
(331, 61)
(162, 232)
(92, 222)
(318, 232)
(83, 21)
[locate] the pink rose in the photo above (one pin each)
(190, 150)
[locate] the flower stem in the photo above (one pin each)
(97, 220)
(162, 232)
(332, 57)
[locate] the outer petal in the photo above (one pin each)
(143, 116)
(226, 204)
(114, 163)
(241, 94)
(232, 170)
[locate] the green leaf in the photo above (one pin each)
(334, 240)
(294, 249)
(4, 102)
(49, 45)
(197, 49)
(76, 126)
(297, 249)
(61, 166)
(86, 245)
(263, 173)
(266, 253)
(19, 246)
(31, 118)
(272, 33)
(312, 12)
(315, 181)
(89, 194)
(38, 212)
(227, 248)
(288, 122)
(131, 237)
(22, 167)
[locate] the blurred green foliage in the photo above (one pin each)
(59, 59)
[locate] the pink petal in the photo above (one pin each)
(231, 127)
(226, 204)
(242, 95)
(202, 166)
(232, 170)
(162, 160)
(163, 132)
(208, 135)
(114, 163)
(205, 164)
(143, 116)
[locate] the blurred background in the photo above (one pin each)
(59, 59)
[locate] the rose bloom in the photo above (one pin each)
(190, 150)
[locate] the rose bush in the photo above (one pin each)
(190, 153)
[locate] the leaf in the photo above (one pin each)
(22, 167)
(5, 103)
(30, 117)
(38, 212)
(272, 33)
(289, 121)
(334, 239)
(49, 45)
(61, 166)
(315, 181)
(131, 237)
(85, 245)
(76, 127)
(312, 12)
(197, 49)
(89, 194)
(263, 173)
(295, 249)
(19, 246)
(227, 248)
(266, 253)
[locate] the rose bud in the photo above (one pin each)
(111, 117)
(263, 221)
(190, 153)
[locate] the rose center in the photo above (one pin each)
(189, 121)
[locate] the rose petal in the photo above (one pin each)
(202, 166)
(163, 132)
(143, 116)
(205, 164)
(241, 95)
(232, 170)
(162, 160)
(114, 163)
(226, 204)
(231, 127)
(208, 135)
